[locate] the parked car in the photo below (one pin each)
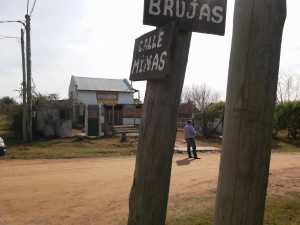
(3, 147)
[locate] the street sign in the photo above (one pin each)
(205, 16)
(151, 57)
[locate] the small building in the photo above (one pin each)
(114, 95)
(185, 113)
(53, 119)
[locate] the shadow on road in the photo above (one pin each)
(184, 162)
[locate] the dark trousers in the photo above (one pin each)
(191, 143)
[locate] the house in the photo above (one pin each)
(185, 113)
(113, 94)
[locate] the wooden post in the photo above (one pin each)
(150, 189)
(251, 95)
(113, 114)
(24, 113)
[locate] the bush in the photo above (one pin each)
(287, 117)
(210, 118)
(7, 104)
(15, 117)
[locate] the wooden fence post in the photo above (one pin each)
(150, 189)
(251, 95)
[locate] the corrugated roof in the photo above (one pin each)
(102, 84)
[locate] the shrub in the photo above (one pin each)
(210, 118)
(287, 116)
(15, 117)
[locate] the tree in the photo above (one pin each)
(38, 98)
(201, 95)
(287, 116)
(288, 88)
(206, 111)
(7, 103)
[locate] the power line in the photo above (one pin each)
(4, 36)
(32, 8)
(27, 6)
(12, 21)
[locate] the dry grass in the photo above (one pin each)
(75, 147)
(283, 144)
(279, 211)
(4, 125)
(86, 147)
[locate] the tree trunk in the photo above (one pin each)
(150, 189)
(251, 95)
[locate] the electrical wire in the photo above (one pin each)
(31, 11)
(12, 21)
(8, 37)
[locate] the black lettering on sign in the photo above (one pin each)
(205, 16)
(151, 57)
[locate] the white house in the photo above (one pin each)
(92, 91)
(113, 94)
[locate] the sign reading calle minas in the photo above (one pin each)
(205, 16)
(151, 57)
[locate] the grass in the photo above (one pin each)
(75, 147)
(279, 211)
(87, 147)
(4, 125)
(283, 144)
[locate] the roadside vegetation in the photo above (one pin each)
(74, 147)
(279, 211)
(4, 125)
(281, 143)
(207, 109)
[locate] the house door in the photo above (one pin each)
(93, 120)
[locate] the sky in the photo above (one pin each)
(95, 38)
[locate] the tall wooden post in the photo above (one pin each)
(24, 95)
(150, 189)
(251, 95)
(29, 89)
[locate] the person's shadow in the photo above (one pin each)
(184, 162)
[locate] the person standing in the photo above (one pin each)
(189, 134)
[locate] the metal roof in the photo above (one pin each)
(102, 84)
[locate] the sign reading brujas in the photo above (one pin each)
(205, 16)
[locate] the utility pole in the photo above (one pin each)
(29, 89)
(24, 116)
(251, 95)
(150, 190)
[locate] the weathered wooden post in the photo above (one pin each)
(149, 193)
(251, 94)
(161, 57)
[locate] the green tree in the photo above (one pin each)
(6, 104)
(287, 117)
(208, 110)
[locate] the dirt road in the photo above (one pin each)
(95, 191)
